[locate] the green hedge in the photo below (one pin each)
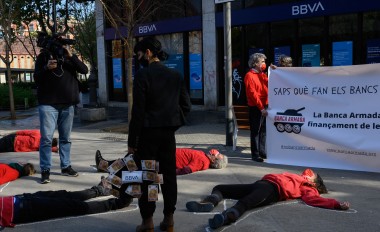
(20, 92)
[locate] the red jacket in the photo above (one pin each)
(28, 140)
(7, 173)
(256, 89)
(293, 186)
(195, 160)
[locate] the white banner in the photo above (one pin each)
(327, 117)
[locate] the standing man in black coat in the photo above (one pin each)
(58, 92)
(160, 101)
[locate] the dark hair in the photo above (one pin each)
(28, 169)
(54, 142)
(153, 45)
(319, 185)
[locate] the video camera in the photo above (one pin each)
(54, 44)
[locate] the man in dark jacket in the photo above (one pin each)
(58, 93)
(160, 100)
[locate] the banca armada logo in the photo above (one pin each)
(289, 120)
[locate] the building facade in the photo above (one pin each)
(312, 32)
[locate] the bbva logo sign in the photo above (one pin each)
(147, 29)
(307, 8)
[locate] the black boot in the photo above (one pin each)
(257, 158)
(225, 218)
(206, 205)
(101, 164)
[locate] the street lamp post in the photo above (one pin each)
(230, 126)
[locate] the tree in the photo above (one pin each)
(129, 14)
(10, 14)
(84, 32)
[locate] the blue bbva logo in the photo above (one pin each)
(307, 8)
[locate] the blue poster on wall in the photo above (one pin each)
(175, 61)
(342, 53)
(373, 51)
(279, 51)
(195, 71)
(116, 67)
(310, 55)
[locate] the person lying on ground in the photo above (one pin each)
(187, 161)
(12, 171)
(24, 141)
(270, 189)
(43, 205)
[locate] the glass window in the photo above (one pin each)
(371, 37)
(311, 27)
(117, 55)
(173, 45)
(283, 31)
(283, 36)
(371, 23)
(257, 38)
(195, 67)
(342, 26)
(312, 43)
(239, 59)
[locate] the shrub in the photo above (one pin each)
(20, 92)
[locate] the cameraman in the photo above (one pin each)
(56, 77)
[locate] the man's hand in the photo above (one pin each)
(272, 66)
(67, 51)
(344, 205)
(52, 64)
(131, 150)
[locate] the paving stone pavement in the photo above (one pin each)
(204, 130)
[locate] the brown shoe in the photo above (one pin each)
(146, 225)
(167, 224)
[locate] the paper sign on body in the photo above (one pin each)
(132, 177)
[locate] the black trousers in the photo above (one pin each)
(7, 143)
(43, 205)
(158, 144)
(249, 196)
(257, 128)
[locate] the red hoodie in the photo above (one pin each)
(194, 159)
(28, 140)
(293, 186)
(7, 174)
(256, 88)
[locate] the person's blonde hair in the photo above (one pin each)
(285, 61)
